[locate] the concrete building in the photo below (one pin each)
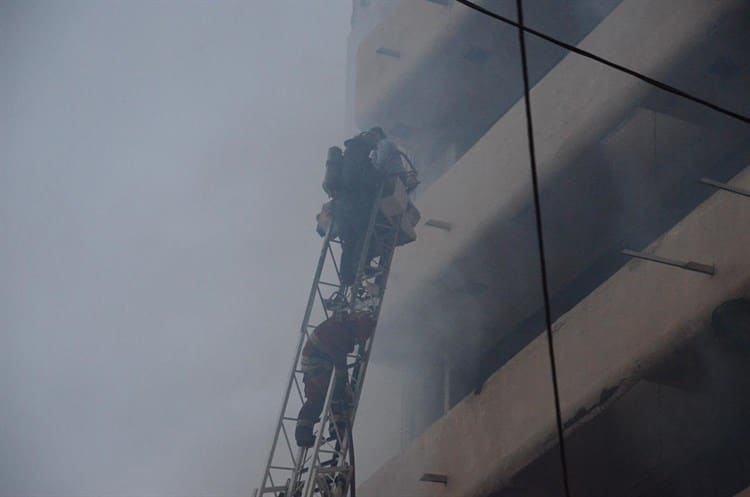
(652, 360)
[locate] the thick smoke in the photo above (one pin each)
(161, 168)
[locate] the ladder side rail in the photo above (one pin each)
(363, 258)
(360, 371)
(325, 421)
(298, 352)
(368, 236)
(357, 376)
(364, 255)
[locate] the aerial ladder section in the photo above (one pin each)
(328, 467)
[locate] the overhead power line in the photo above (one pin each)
(572, 48)
(540, 241)
(522, 30)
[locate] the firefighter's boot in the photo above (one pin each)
(303, 434)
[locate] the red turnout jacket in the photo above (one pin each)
(334, 338)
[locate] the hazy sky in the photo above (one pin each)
(160, 168)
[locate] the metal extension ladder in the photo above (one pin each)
(327, 468)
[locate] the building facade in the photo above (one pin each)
(651, 358)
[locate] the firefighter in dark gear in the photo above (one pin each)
(352, 179)
(327, 348)
(354, 200)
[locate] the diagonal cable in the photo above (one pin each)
(654, 82)
(540, 239)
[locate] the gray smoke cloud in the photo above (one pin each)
(160, 167)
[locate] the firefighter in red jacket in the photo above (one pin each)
(327, 347)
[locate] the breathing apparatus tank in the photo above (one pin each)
(334, 166)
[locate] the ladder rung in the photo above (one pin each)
(335, 469)
(287, 418)
(329, 451)
(272, 489)
(284, 468)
